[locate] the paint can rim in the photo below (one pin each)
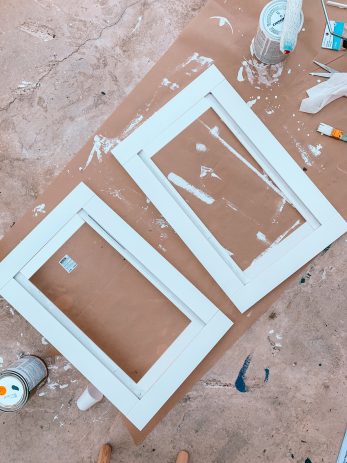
(263, 15)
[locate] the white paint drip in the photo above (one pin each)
(180, 182)
(40, 209)
(167, 83)
(251, 48)
(67, 367)
(137, 119)
(315, 150)
(214, 131)
(195, 57)
(222, 21)
(269, 111)
(201, 147)
(44, 341)
(102, 145)
(240, 77)
(1, 362)
(160, 246)
(262, 237)
(260, 73)
(208, 171)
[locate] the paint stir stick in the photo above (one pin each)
(105, 454)
(183, 457)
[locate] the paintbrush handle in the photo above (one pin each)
(183, 457)
(105, 454)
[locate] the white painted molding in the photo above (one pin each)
(140, 401)
(323, 224)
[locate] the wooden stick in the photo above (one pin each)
(105, 454)
(183, 457)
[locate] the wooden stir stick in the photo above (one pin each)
(105, 454)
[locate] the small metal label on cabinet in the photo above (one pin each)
(68, 264)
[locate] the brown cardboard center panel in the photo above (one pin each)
(106, 306)
(238, 207)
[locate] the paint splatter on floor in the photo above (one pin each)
(240, 380)
(267, 374)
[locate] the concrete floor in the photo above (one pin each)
(56, 58)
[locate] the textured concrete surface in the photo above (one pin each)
(64, 68)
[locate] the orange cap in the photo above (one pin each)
(3, 390)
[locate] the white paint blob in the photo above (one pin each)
(251, 103)
(167, 83)
(208, 172)
(180, 182)
(201, 147)
(315, 150)
(196, 58)
(262, 237)
(40, 209)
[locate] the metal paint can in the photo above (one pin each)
(266, 43)
(20, 380)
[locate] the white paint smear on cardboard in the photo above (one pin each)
(171, 85)
(214, 132)
(260, 73)
(201, 147)
(180, 182)
(315, 150)
(196, 58)
(222, 21)
(134, 123)
(303, 153)
(208, 172)
(162, 223)
(102, 145)
(276, 242)
(40, 209)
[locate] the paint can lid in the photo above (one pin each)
(272, 19)
(13, 392)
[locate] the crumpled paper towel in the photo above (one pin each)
(324, 93)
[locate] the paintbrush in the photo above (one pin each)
(325, 129)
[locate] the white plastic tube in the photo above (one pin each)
(90, 396)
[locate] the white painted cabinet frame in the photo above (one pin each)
(322, 226)
(140, 401)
